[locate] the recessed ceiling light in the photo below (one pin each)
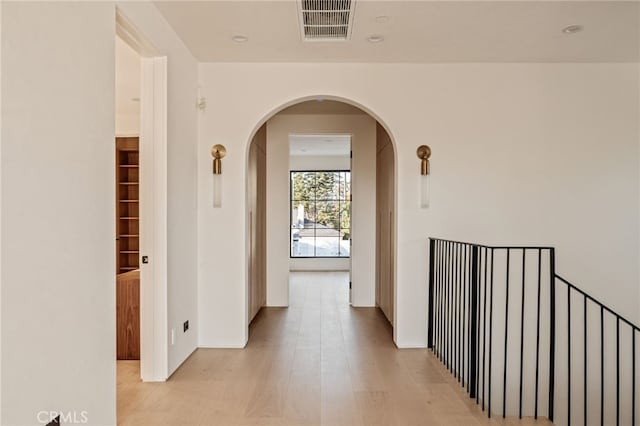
(383, 19)
(572, 29)
(239, 38)
(375, 39)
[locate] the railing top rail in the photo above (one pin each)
(502, 247)
(572, 286)
(596, 301)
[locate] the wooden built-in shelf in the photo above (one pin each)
(127, 203)
(128, 248)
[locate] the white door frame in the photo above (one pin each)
(153, 204)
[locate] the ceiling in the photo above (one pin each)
(415, 31)
(320, 145)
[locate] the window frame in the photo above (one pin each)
(339, 200)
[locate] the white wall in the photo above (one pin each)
(0, 212)
(58, 246)
(363, 145)
(522, 153)
(58, 151)
(319, 162)
(182, 139)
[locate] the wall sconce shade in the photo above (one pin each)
(424, 152)
(217, 190)
(217, 152)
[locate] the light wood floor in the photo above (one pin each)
(319, 362)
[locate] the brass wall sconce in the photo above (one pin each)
(217, 152)
(424, 152)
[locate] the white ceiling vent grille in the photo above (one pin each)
(326, 20)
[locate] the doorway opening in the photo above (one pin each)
(127, 190)
(327, 172)
(320, 203)
(140, 154)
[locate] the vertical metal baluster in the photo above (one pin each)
(468, 323)
(441, 314)
(467, 316)
(535, 411)
(456, 334)
(445, 322)
(454, 331)
(441, 300)
(490, 335)
(585, 360)
(436, 260)
(479, 275)
(601, 365)
(524, 258)
(473, 296)
(484, 327)
(633, 376)
(506, 333)
(464, 313)
(436, 298)
(445, 277)
(617, 370)
(437, 329)
(440, 296)
(461, 317)
(568, 355)
(552, 331)
(449, 309)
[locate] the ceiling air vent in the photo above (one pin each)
(326, 20)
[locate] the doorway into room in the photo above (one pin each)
(140, 198)
(127, 202)
(320, 202)
(317, 162)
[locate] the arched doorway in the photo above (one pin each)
(272, 206)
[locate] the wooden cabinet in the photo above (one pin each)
(127, 205)
(128, 315)
(257, 202)
(385, 212)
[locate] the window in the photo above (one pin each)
(320, 213)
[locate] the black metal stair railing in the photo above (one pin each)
(497, 322)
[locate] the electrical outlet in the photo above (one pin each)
(185, 326)
(173, 336)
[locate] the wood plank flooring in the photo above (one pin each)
(318, 362)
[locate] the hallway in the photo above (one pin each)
(317, 362)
